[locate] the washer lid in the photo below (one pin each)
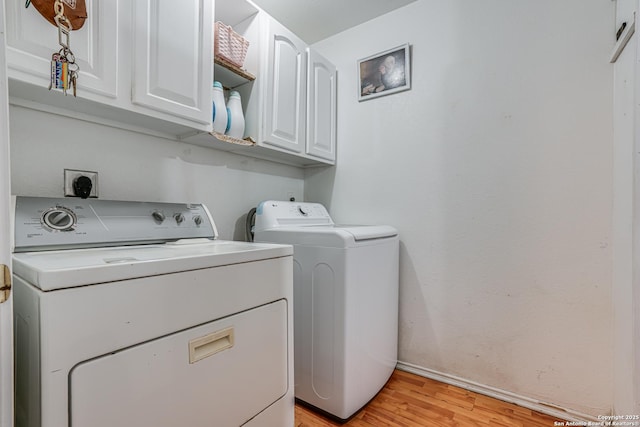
(368, 232)
(50, 270)
(339, 236)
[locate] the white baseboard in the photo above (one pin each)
(506, 396)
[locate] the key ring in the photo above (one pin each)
(64, 28)
(64, 70)
(66, 53)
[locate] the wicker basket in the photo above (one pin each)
(229, 45)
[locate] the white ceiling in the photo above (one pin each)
(314, 20)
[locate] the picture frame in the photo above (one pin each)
(384, 73)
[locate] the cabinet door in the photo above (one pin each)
(321, 107)
(31, 41)
(284, 108)
(173, 57)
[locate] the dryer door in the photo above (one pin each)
(219, 374)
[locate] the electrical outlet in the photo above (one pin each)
(70, 175)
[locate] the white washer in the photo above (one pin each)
(345, 304)
(132, 314)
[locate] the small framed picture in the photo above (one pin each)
(384, 73)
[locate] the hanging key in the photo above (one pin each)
(64, 70)
(72, 69)
(73, 76)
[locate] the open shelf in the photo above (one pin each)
(248, 142)
(247, 147)
(230, 75)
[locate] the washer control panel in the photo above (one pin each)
(49, 223)
(274, 214)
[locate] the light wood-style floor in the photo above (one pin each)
(412, 401)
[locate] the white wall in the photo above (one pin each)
(623, 178)
(496, 167)
(135, 166)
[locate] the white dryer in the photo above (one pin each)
(345, 304)
(134, 314)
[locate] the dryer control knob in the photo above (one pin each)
(197, 219)
(158, 216)
(59, 218)
(179, 218)
(303, 211)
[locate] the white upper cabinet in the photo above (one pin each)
(299, 107)
(321, 107)
(285, 80)
(31, 41)
(172, 57)
(146, 63)
(291, 106)
(150, 64)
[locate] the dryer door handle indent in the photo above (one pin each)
(208, 345)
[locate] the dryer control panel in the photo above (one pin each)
(49, 223)
(274, 214)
